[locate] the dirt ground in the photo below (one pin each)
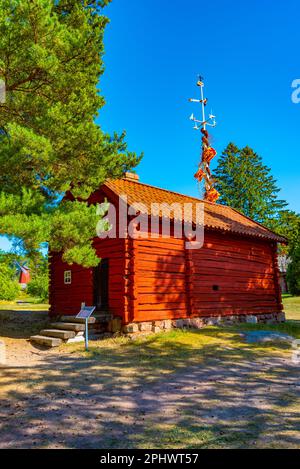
(193, 390)
(15, 329)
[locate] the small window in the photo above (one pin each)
(68, 277)
(216, 288)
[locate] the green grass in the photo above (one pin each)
(292, 307)
(157, 349)
(199, 436)
(211, 374)
(163, 357)
(171, 350)
(136, 369)
(28, 303)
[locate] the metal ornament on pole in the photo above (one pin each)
(208, 153)
(211, 121)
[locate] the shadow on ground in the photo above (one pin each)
(159, 394)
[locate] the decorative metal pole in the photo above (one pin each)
(87, 334)
(208, 153)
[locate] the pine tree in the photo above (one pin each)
(293, 272)
(51, 60)
(290, 226)
(287, 224)
(247, 185)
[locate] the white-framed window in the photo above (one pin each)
(68, 277)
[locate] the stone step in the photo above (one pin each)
(59, 334)
(68, 326)
(76, 339)
(47, 341)
(73, 319)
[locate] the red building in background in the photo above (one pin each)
(24, 277)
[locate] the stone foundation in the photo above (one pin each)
(199, 323)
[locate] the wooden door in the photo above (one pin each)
(101, 285)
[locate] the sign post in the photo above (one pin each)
(86, 334)
(85, 313)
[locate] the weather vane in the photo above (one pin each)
(208, 153)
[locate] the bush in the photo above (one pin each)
(293, 273)
(9, 287)
(39, 286)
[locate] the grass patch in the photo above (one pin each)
(292, 307)
(167, 351)
(24, 303)
(196, 436)
(181, 389)
(205, 424)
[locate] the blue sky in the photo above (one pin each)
(248, 53)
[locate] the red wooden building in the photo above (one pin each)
(24, 276)
(151, 280)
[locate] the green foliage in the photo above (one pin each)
(51, 59)
(7, 258)
(247, 185)
(9, 288)
(39, 284)
(71, 226)
(38, 287)
(293, 273)
(287, 224)
(292, 228)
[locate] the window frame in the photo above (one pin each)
(68, 277)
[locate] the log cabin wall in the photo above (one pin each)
(233, 275)
(66, 299)
(160, 279)
(230, 275)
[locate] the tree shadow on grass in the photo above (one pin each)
(160, 392)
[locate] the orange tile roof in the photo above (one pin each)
(216, 216)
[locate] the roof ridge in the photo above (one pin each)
(171, 192)
(199, 200)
